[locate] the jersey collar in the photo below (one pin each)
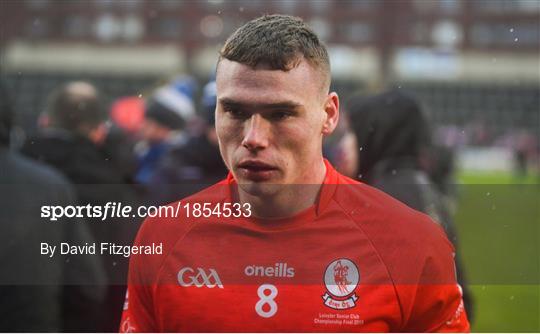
(326, 193)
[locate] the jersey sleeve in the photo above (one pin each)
(139, 314)
(436, 301)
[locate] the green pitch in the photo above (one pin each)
(498, 223)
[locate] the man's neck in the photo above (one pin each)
(289, 200)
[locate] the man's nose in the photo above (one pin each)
(256, 133)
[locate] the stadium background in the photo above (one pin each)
(474, 65)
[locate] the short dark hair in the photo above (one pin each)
(73, 110)
(278, 41)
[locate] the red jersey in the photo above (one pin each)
(356, 261)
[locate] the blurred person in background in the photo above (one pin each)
(72, 138)
(118, 147)
(73, 142)
(167, 113)
(387, 147)
(194, 165)
(127, 116)
(35, 296)
(126, 120)
(525, 146)
(439, 164)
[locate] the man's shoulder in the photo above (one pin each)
(177, 218)
(170, 227)
(31, 171)
(389, 224)
(367, 204)
(213, 194)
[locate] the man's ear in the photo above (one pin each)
(331, 109)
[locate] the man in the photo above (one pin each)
(34, 287)
(72, 142)
(309, 249)
(394, 136)
(194, 165)
(167, 113)
(390, 137)
(72, 136)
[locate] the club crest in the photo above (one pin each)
(341, 279)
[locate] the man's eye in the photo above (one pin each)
(280, 115)
(235, 113)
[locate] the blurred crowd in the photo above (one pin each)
(160, 147)
(148, 150)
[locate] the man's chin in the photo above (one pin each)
(260, 189)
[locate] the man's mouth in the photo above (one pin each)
(255, 165)
(256, 170)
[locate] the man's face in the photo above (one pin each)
(270, 123)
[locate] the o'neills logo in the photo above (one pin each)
(341, 278)
(278, 270)
(199, 278)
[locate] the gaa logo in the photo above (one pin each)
(341, 279)
(199, 278)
